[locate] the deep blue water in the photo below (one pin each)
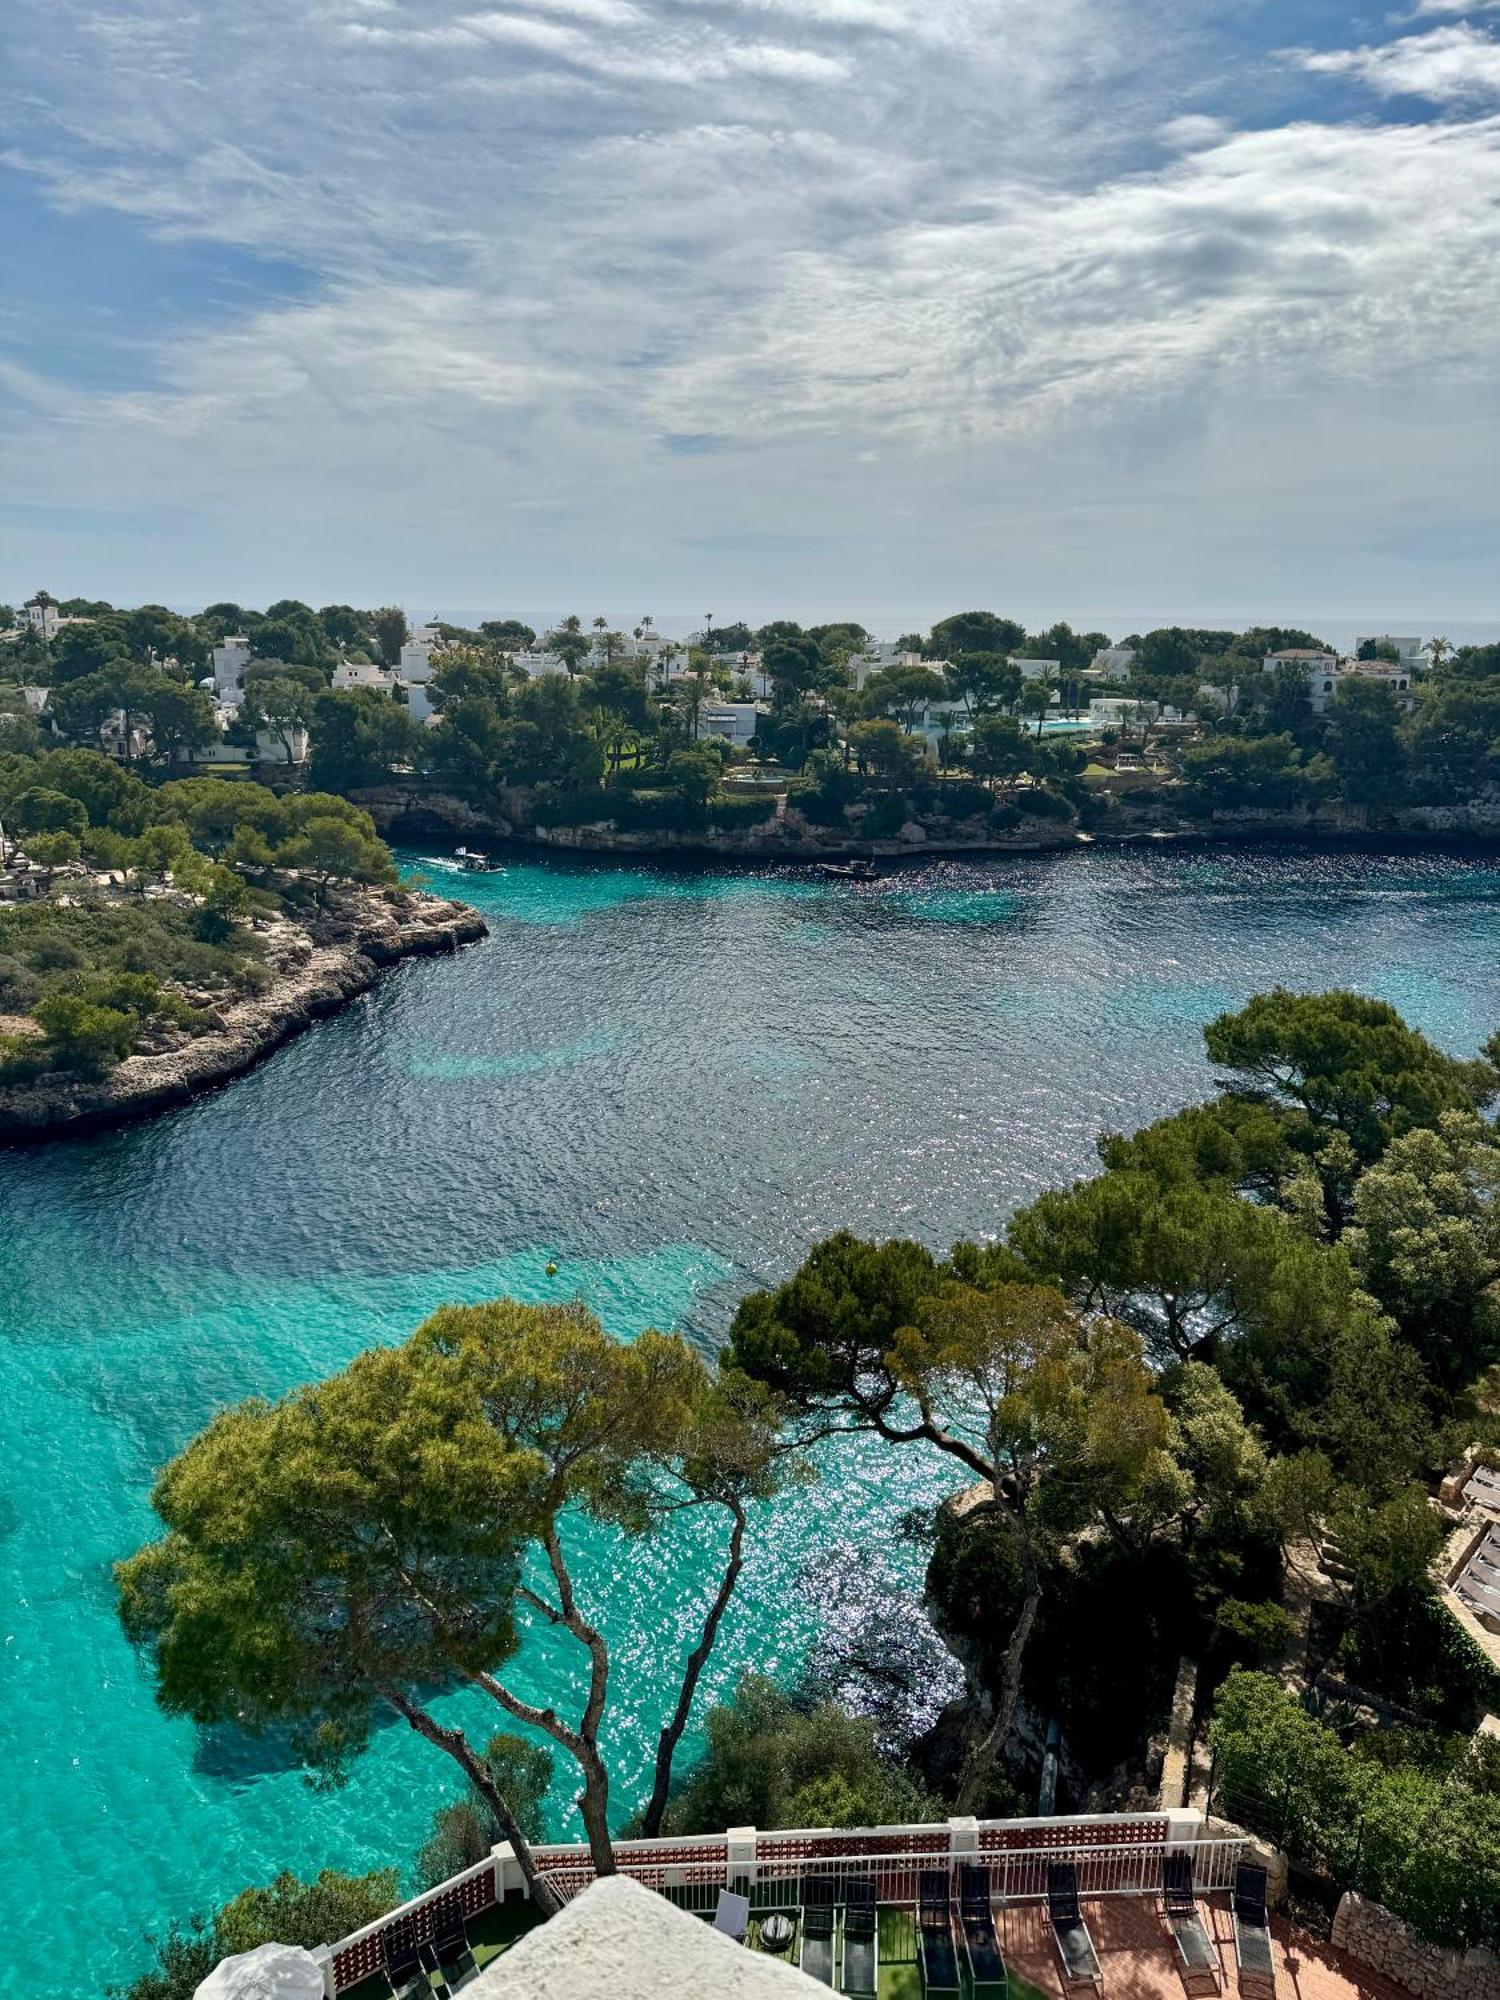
(671, 1084)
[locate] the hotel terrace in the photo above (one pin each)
(1146, 1907)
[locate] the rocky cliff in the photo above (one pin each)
(316, 968)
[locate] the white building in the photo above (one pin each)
(1118, 711)
(230, 659)
(1410, 652)
(735, 721)
(538, 662)
(876, 658)
(40, 617)
(351, 674)
(416, 656)
(1115, 662)
(1325, 673)
(266, 749)
(1037, 670)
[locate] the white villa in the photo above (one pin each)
(735, 721)
(1326, 672)
(41, 617)
(349, 675)
(1410, 652)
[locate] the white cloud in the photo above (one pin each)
(1446, 65)
(538, 237)
(1193, 130)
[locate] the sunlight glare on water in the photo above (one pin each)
(671, 1084)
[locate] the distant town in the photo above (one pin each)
(1086, 681)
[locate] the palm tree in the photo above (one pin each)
(1437, 651)
(1038, 696)
(691, 695)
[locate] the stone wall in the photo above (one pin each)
(1373, 1936)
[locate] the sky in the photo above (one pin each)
(1126, 311)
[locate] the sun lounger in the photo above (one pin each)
(818, 1892)
(732, 1915)
(1197, 1955)
(981, 1942)
(450, 1944)
(1252, 1933)
(861, 1939)
(1075, 1947)
(403, 1961)
(935, 1950)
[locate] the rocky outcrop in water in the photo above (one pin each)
(317, 966)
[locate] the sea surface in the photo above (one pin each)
(669, 1084)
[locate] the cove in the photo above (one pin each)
(670, 1084)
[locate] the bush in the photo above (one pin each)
(463, 1833)
(19, 986)
(886, 817)
(731, 813)
(771, 1762)
(1425, 1844)
(85, 1039)
(1406, 1646)
(1252, 1635)
(1043, 805)
(289, 1911)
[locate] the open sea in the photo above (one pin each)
(670, 1084)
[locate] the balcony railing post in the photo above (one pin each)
(963, 1839)
(741, 1845)
(324, 1956)
(508, 1874)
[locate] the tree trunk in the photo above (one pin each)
(992, 1740)
(459, 1748)
(671, 1735)
(593, 1807)
(593, 1801)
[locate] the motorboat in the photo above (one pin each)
(849, 871)
(474, 863)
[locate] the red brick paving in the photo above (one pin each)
(1139, 1960)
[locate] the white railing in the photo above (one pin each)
(1012, 1874)
(1113, 1854)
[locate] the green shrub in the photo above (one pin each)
(1252, 1635)
(886, 817)
(288, 1911)
(1424, 1843)
(731, 813)
(464, 1832)
(1043, 805)
(772, 1762)
(19, 986)
(83, 1038)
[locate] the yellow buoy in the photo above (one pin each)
(551, 1270)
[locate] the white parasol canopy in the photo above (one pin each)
(270, 1972)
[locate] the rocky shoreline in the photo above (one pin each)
(317, 969)
(406, 815)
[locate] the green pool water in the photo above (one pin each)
(668, 1084)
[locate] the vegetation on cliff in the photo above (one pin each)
(147, 905)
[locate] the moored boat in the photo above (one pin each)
(849, 871)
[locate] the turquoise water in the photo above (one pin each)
(671, 1084)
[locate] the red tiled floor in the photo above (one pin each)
(1139, 1960)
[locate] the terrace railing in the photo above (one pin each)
(1114, 1854)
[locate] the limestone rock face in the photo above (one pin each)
(1374, 1936)
(316, 968)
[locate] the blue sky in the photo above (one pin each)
(1111, 309)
